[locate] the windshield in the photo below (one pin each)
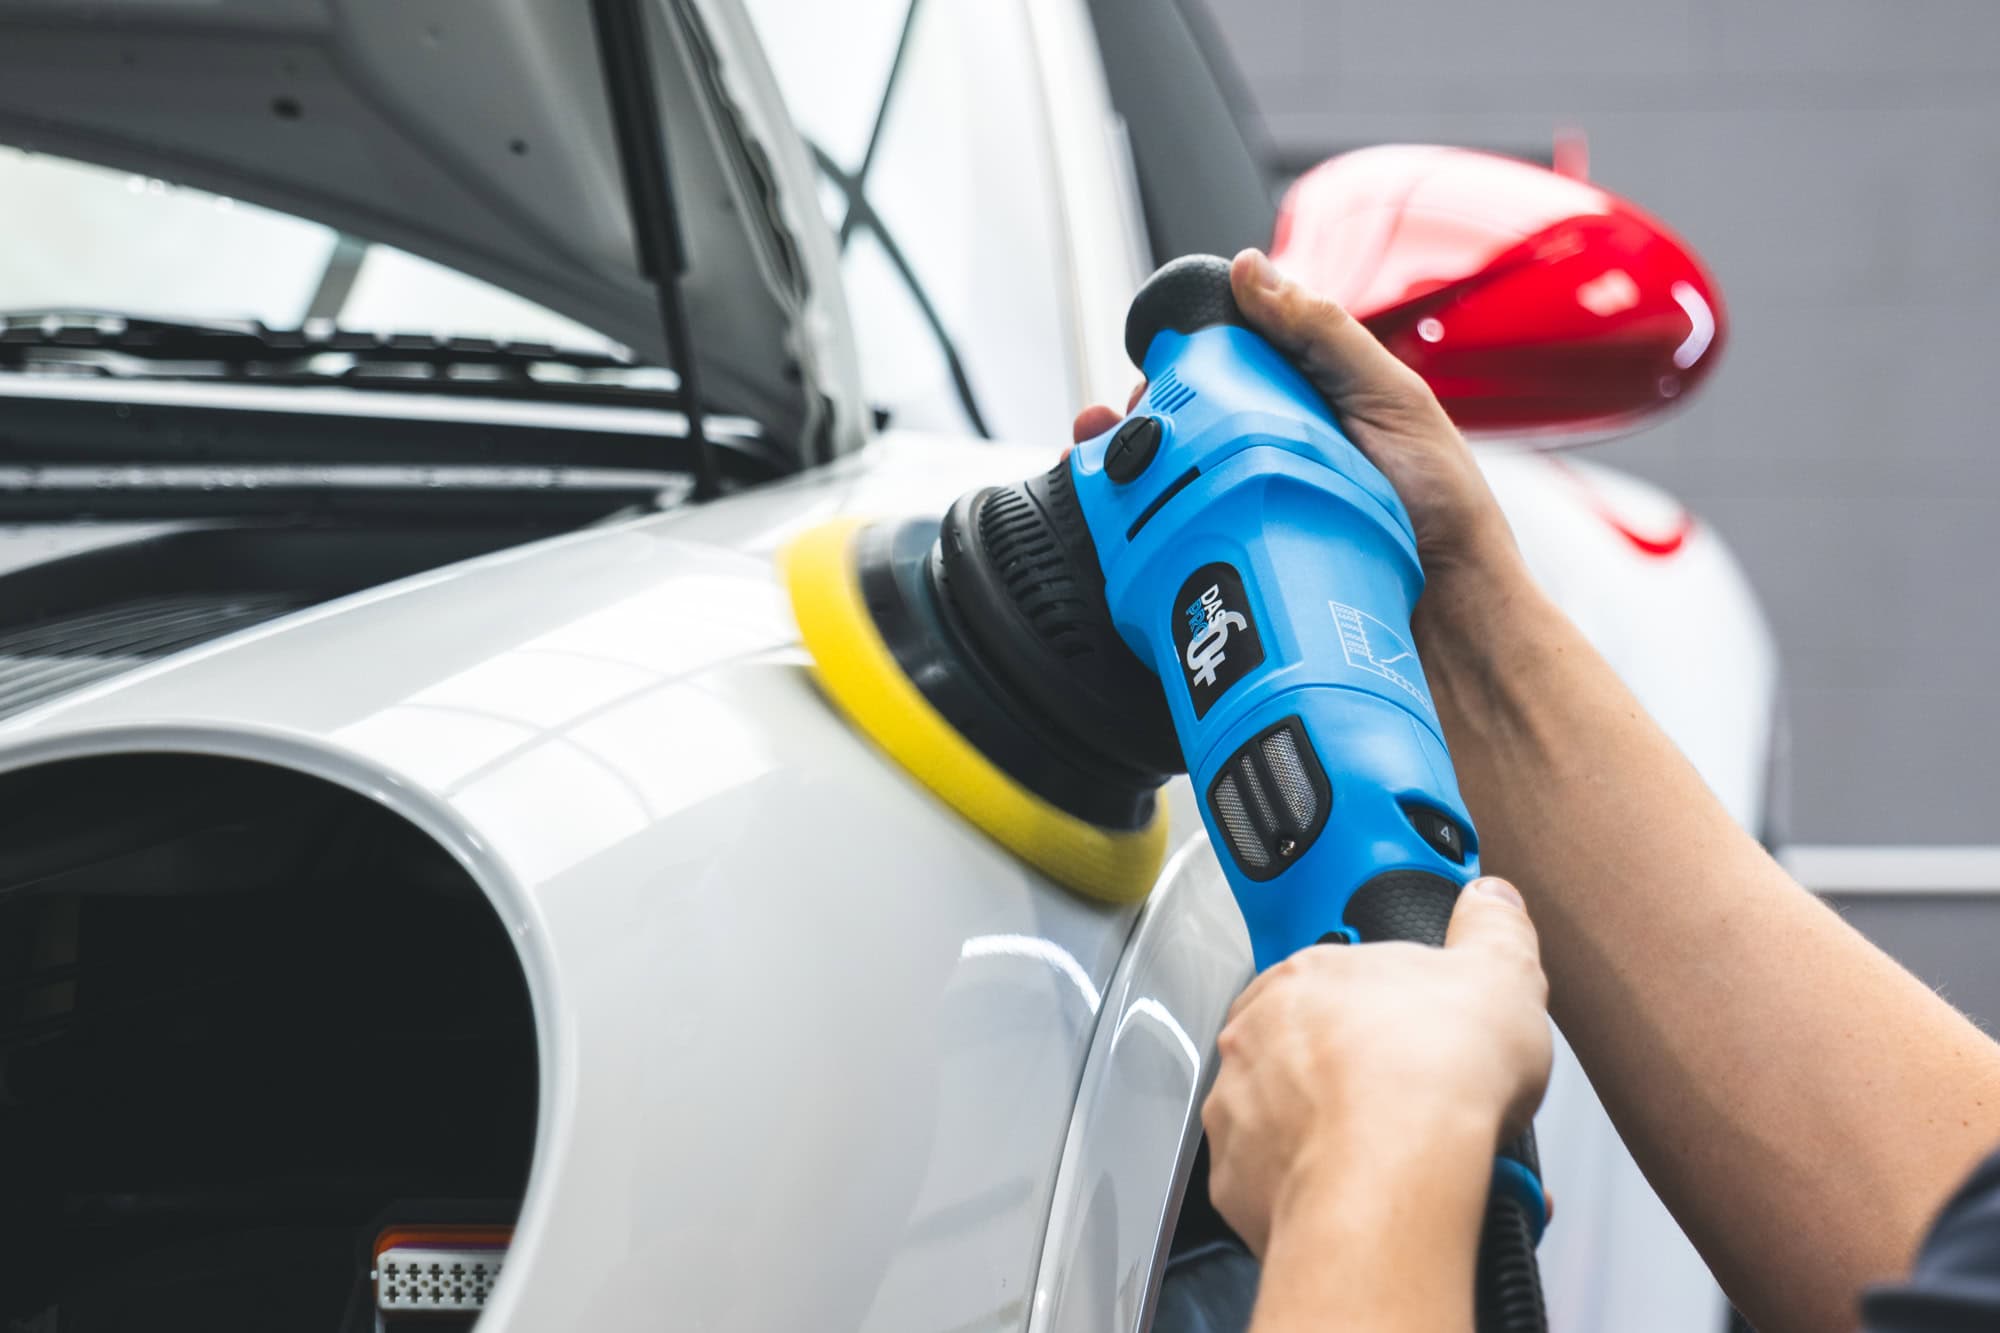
(926, 121)
(83, 237)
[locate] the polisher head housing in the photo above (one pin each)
(971, 654)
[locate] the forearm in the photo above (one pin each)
(1384, 1238)
(1801, 1103)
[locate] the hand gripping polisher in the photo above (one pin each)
(1220, 584)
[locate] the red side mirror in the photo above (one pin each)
(1535, 305)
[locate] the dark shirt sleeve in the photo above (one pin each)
(1956, 1282)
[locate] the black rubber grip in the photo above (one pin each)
(1184, 295)
(1415, 905)
(1412, 905)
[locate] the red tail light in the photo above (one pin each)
(1534, 304)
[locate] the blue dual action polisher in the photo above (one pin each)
(1221, 585)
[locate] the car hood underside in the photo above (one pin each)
(479, 137)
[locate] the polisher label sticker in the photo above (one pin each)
(1372, 646)
(1216, 633)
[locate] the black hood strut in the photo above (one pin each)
(626, 57)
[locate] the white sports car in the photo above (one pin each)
(432, 886)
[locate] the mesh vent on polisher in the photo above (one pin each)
(1270, 799)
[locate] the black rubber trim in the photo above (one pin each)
(1173, 488)
(1189, 294)
(893, 563)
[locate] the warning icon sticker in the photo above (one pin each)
(1373, 647)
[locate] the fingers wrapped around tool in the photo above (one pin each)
(1347, 1049)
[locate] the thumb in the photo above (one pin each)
(1489, 914)
(1340, 356)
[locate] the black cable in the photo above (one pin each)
(863, 214)
(847, 224)
(1508, 1284)
(860, 213)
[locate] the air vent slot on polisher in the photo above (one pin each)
(1169, 394)
(1270, 799)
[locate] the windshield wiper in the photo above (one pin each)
(109, 344)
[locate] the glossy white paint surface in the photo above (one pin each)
(1139, 1103)
(809, 1043)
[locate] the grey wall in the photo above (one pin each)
(1838, 164)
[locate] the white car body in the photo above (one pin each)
(813, 1053)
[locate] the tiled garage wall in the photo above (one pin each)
(1838, 163)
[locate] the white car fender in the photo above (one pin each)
(782, 994)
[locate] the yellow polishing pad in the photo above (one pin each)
(859, 673)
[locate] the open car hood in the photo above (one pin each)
(480, 137)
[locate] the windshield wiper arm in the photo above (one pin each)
(120, 346)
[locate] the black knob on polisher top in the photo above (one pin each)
(1186, 295)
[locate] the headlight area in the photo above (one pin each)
(260, 1038)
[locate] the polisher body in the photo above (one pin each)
(1271, 591)
(1266, 572)
(1223, 584)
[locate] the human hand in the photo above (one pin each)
(1385, 408)
(1343, 1056)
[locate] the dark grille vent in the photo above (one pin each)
(1271, 799)
(1169, 394)
(55, 656)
